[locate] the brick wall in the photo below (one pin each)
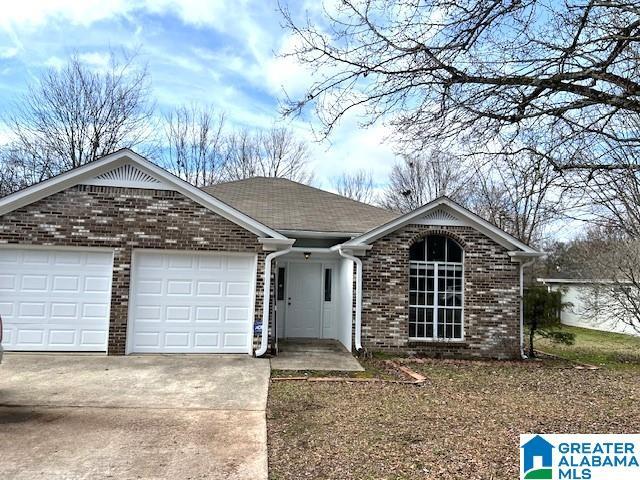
(124, 219)
(491, 296)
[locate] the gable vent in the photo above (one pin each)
(127, 176)
(439, 215)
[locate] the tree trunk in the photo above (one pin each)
(532, 332)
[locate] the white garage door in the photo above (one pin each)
(191, 303)
(55, 299)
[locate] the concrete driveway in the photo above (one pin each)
(142, 417)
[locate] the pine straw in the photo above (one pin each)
(463, 422)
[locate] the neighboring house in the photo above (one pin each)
(578, 294)
(121, 256)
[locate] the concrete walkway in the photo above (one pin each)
(325, 356)
(142, 417)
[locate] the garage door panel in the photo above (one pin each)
(62, 338)
(58, 300)
(207, 340)
(7, 283)
(203, 301)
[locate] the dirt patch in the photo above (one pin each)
(463, 422)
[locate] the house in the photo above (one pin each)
(540, 449)
(120, 256)
(579, 295)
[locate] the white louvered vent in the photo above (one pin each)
(439, 215)
(127, 176)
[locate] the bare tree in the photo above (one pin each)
(613, 196)
(195, 145)
(357, 186)
(75, 115)
(610, 258)
(271, 153)
(485, 75)
(418, 179)
(19, 169)
(520, 195)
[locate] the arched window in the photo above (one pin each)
(435, 289)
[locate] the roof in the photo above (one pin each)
(285, 205)
(457, 213)
(118, 159)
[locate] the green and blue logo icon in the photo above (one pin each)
(536, 460)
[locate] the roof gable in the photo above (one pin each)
(444, 211)
(125, 168)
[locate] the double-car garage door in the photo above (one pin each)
(180, 302)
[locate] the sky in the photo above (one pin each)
(220, 53)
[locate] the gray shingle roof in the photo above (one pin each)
(286, 205)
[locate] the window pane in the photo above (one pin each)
(280, 289)
(429, 330)
(429, 298)
(454, 252)
(327, 285)
(416, 251)
(457, 331)
(413, 283)
(412, 328)
(436, 245)
(412, 298)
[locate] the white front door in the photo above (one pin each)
(55, 299)
(187, 302)
(303, 300)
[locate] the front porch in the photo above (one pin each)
(313, 301)
(314, 355)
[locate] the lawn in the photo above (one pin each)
(609, 350)
(463, 423)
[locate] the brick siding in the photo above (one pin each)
(491, 296)
(124, 219)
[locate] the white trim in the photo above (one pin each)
(474, 220)
(316, 234)
(117, 159)
(578, 281)
(273, 244)
(46, 246)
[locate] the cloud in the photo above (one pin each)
(210, 52)
(8, 52)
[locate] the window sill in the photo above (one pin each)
(443, 342)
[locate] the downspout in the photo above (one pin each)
(358, 332)
(266, 299)
(522, 267)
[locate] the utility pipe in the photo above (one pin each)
(266, 298)
(358, 262)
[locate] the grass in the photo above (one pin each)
(464, 422)
(609, 350)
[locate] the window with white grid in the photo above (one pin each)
(436, 289)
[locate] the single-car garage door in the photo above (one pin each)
(55, 300)
(185, 302)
